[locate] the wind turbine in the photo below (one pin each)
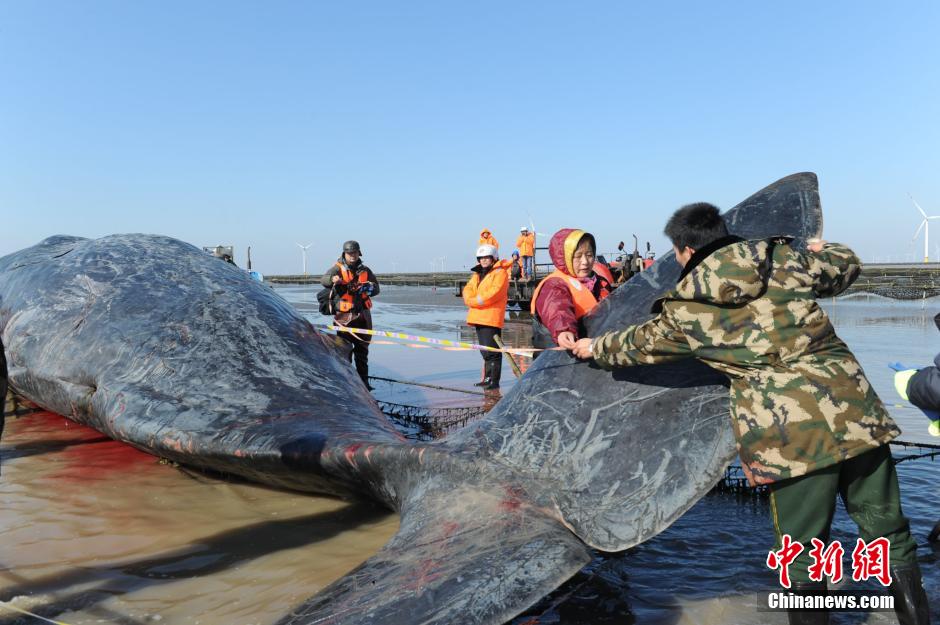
(303, 251)
(926, 226)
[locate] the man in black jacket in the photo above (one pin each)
(922, 388)
(353, 286)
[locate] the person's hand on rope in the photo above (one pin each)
(566, 340)
(584, 349)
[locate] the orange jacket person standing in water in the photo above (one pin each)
(568, 293)
(486, 295)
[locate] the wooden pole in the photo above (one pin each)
(512, 361)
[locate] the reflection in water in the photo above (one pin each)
(91, 533)
(95, 531)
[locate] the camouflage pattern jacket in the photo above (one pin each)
(799, 399)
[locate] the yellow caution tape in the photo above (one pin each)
(445, 344)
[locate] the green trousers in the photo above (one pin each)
(868, 484)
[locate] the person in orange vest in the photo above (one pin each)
(486, 296)
(487, 238)
(526, 245)
(564, 296)
(353, 285)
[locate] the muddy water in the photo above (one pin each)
(96, 532)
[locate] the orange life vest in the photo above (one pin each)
(603, 270)
(347, 301)
(582, 297)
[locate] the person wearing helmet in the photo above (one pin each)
(486, 296)
(352, 286)
(562, 298)
(526, 245)
(487, 238)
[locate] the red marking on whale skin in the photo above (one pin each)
(449, 528)
(368, 452)
(350, 453)
(512, 501)
(428, 571)
(174, 444)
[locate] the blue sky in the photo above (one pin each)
(411, 125)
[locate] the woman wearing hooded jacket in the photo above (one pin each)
(486, 295)
(487, 238)
(568, 293)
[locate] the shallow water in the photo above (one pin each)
(97, 532)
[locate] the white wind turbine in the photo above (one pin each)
(926, 227)
(303, 251)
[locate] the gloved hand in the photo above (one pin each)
(368, 288)
(934, 427)
(902, 378)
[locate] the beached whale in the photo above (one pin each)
(153, 342)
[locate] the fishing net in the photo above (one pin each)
(431, 422)
(909, 286)
(734, 482)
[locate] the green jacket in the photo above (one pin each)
(799, 399)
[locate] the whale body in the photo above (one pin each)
(154, 343)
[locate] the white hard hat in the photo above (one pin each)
(487, 250)
(523, 229)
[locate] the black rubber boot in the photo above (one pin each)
(483, 381)
(934, 535)
(494, 370)
(910, 598)
(362, 368)
(808, 617)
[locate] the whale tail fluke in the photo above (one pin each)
(460, 555)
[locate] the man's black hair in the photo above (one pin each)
(696, 225)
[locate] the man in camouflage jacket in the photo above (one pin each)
(806, 419)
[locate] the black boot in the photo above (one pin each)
(483, 381)
(934, 535)
(910, 599)
(808, 617)
(494, 370)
